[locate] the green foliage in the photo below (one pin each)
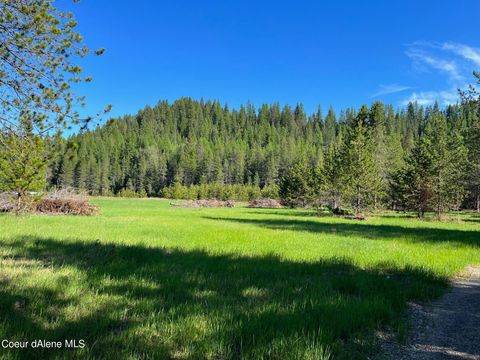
(342, 211)
(270, 192)
(362, 179)
(433, 177)
(473, 148)
(329, 128)
(333, 177)
(126, 193)
(38, 64)
(219, 191)
(297, 186)
(22, 163)
(198, 150)
(413, 184)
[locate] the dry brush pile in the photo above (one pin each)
(205, 204)
(65, 202)
(265, 204)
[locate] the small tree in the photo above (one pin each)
(332, 176)
(473, 146)
(471, 100)
(448, 156)
(433, 176)
(413, 184)
(296, 187)
(22, 164)
(38, 51)
(362, 181)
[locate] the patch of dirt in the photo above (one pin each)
(446, 329)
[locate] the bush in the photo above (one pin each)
(127, 193)
(270, 192)
(342, 211)
(236, 192)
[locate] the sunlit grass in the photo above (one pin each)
(146, 280)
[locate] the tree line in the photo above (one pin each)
(415, 158)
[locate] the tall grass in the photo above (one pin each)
(143, 280)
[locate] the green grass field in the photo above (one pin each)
(144, 280)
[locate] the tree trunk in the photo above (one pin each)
(439, 197)
(20, 202)
(357, 210)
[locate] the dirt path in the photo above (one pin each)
(448, 328)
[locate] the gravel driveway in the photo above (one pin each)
(448, 328)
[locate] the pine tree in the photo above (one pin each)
(23, 162)
(471, 108)
(296, 187)
(333, 176)
(413, 185)
(80, 174)
(432, 179)
(39, 54)
(360, 167)
(377, 126)
(92, 178)
(195, 142)
(329, 128)
(446, 188)
(473, 146)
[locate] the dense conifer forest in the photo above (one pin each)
(418, 158)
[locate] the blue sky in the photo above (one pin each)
(340, 53)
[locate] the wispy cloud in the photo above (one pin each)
(455, 61)
(444, 97)
(467, 52)
(390, 89)
(421, 57)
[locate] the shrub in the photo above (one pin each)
(127, 193)
(342, 211)
(236, 192)
(253, 192)
(270, 192)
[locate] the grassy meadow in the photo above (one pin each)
(144, 280)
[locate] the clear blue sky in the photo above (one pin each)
(343, 53)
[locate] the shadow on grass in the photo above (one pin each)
(365, 230)
(165, 303)
(398, 215)
(474, 220)
(285, 212)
